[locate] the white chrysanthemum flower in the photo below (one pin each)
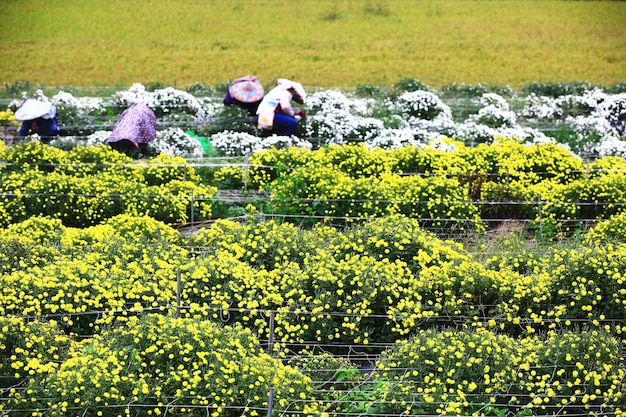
(64, 99)
(174, 141)
(136, 93)
(541, 108)
(171, 100)
(327, 101)
(612, 146)
(282, 142)
(493, 99)
(494, 116)
(97, 138)
(231, 143)
(470, 132)
(526, 134)
(392, 139)
(614, 110)
(421, 105)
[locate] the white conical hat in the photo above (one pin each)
(33, 109)
(297, 87)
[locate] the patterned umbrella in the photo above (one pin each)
(137, 124)
(246, 89)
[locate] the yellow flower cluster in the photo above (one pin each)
(90, 184)
(536, 328)
(158, 363)
(461, 373)
(8, 118)
(543, 182)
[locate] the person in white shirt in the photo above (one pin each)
(275, 114)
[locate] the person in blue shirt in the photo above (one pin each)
(39, 117)
(45, 128)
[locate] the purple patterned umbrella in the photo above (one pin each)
(137, 124)
(246, 89)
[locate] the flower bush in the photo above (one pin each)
(107, 309)
(92, 186)
(459, 373)
(421, 105)
(7, 118)
(463, 333)
(174, 141)
(219, 370)
(612, 228)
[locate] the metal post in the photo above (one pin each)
(540, 215)
(191, 215)
(179, 290)
(245, 177)
(270, 342)
(270, 402)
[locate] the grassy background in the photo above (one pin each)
(325, 43)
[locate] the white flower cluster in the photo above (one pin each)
(541, 108)
(420, 117)
(597, 119)
(63, 99)
(163, 101)
(99, 137)
(336, 119)
(495, 113)
(171, 100)
(174, 141)
(231, 143)
(421, 105)
(614, 109)
(393, 138)
(135, 94)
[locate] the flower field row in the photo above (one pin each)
(445, 180)
(449, 186)
(90, 184)
(588, 119)
(454, 331)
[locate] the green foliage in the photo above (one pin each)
(556, 89)
(470, 91)
(566, 134)
(200, 89)
(617, 88)
(410, 84)
(370, 90)
(16, 88)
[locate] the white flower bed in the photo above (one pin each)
(594, 119)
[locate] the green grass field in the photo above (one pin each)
(325, 43)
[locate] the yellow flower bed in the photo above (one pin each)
(158, 365)
(87, 185)
(476, 373)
